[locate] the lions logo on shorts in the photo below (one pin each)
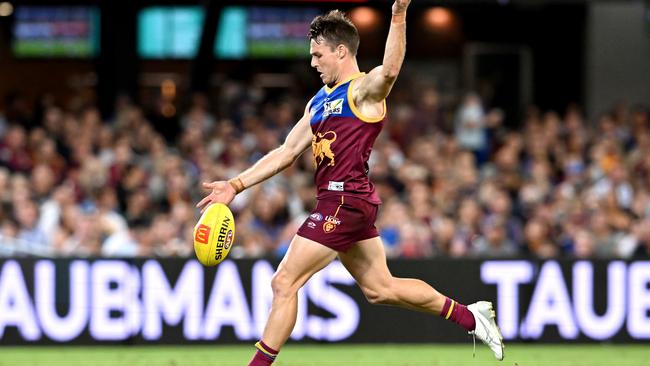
(330, 224)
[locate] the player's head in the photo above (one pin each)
(334, 40)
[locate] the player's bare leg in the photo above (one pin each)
(366, 262)
(304, 258)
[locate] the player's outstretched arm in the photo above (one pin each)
(298, 140)
(378, 83)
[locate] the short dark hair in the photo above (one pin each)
(335, 28)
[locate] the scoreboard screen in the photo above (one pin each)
(56, 31)
(169, 32)
(264, 32)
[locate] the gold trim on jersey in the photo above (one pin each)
(358, 113)
(329, 90)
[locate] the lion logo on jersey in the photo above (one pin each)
(321, 145)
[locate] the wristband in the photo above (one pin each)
(237, 184)
(399, 18)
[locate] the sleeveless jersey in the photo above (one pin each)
(341, 143)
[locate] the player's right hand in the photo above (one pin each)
(399, 6)
(221, 191)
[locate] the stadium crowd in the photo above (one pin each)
(455, 181)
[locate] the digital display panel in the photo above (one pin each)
(263, 32)
(170, 32)
(56, 31)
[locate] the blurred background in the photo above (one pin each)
(518, 129)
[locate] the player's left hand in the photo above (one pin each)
(399, 6)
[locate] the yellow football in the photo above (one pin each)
(214, 234)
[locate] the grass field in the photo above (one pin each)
(330, 355)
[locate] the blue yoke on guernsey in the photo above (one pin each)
(341, 143)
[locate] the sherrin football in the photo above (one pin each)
(214, 234)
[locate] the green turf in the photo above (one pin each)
(330, 355)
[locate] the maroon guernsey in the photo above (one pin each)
(342, 142)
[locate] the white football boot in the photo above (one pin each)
(486, 328)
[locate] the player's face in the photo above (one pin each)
(325, 60)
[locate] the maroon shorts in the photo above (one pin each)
(338, 222)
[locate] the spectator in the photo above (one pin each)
(26, 213)
(494, 241)
(470, 127)
(13, 150)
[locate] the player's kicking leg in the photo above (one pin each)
(304, 258)
(366, 262)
